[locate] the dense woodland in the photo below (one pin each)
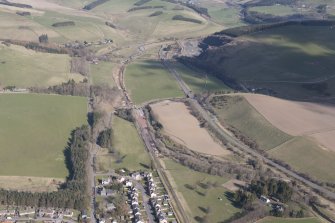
(73, 193)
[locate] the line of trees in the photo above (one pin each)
(73, 193)
(94, 4)
(183, 18)
(19, 5)
(45, 48)
(61, 24)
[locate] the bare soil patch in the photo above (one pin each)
(185, 129)
(298, 118)
(234, 185)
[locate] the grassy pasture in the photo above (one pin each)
(148, 79)
(276, 10)
(142, 27)
(126, 141)
(199, 199)
(86, 28)
(26, 68)
(197, 80)
(32, 184)
(21, 28)
(237, 112)
(102, 73)
(221, 13)
(34, 132)
(288, 220)
(306, 156)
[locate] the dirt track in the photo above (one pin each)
(298, 118)
(177, 121)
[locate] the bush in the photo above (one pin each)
(105, 138)
(23, 13)
(157, 13)
(43, 38)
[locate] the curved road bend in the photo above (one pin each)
(232, 140)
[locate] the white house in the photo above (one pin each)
(129, 183)
(106, 181)
(136, 176)
(121, 180)
(153, 195)
(265, 199)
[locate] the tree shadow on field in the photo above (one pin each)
(230, 196)
(145, 166)
(68, 159)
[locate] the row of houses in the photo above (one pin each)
(41, 212)
(159, 202)
(134, 204)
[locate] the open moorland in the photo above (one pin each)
(34, 132)
(129, 149)
(190, 186)
(292, 61)
(26, 68)
(184, 128)
(147, 80)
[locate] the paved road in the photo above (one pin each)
(231, 139)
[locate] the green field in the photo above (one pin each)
(307, 157)
(200, 198)
(228, 16)
(237, 112)
(288, 220)
(34, 132)
(148, 79)
(127, 142)
(198, 81)
(102, 73)
(276, 10)
(27, 68)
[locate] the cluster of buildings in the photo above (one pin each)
(128, 188)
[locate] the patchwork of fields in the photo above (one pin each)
(34, 132)
(262, 124)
